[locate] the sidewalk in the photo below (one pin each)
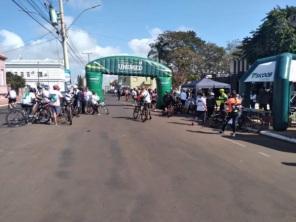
(289, 135)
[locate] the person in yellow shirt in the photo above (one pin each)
(233, 107)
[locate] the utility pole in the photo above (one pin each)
(88, 55)
(64, 38)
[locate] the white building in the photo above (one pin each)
(45, 72)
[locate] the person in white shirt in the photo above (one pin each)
(201, 107)
(95, 103)
(145, 95)
(11, 95)
(183, 97)
(55, 102)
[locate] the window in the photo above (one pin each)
(22, 74)
(15, 73)
(45, 74)
(28, 74)
(39, 74)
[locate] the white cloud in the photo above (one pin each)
(68, 20)
(142, 46)
(9, 40)
(80, 40)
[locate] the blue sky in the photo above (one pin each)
(127, 27)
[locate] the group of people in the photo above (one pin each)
(82, 98)
(205, 105)
(134, 92)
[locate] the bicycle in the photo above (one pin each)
(102, 108)
(141, 110)
(66, 114)
(22, 116)
(250, 119)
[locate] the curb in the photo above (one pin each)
(277, 136)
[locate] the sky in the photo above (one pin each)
(125, 27)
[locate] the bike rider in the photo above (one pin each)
(233, 107)
(147, 100)
(168, 100)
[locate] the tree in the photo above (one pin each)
(80, 82)
(16, 82)
(274, 36)
(189, 56)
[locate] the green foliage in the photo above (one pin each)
(274, 36)
(189, 56)
(16, 82)
(80, 81)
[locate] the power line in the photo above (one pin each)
(27, 12)
(38, 10)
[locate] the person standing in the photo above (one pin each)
(55, 102)
(211, 103)
(233, 107)
(183, 97)
(201, 107)
(11, 95)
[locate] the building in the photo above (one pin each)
(136, 81)
(44, 72)
(3, 87)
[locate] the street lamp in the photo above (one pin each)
(83, 11)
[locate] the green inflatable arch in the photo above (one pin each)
(128, 66)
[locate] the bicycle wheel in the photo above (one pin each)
(136, 112)
(44, 116)
(15, 118)
(144, 114)
(69, 115)
(102, 109)
(89, 110)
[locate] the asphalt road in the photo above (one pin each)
(111, 168)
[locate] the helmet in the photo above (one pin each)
(221, 90)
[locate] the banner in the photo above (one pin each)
(262, 73)
(292, 76)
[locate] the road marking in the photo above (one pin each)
(234, 142)
(264, 154)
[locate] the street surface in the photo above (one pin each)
(114, 169)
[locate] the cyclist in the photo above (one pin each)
(233, 107)
(147, 100)
(167, 100)
(11, 95)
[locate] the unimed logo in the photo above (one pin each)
(130, 67)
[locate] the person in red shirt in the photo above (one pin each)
(233, 107)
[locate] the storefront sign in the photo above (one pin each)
(263, 73)
(292, 77)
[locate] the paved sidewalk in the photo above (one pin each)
(288, 136)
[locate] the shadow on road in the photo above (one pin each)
(266, 142)
(289, 164)
(123, 105)
(179, 123)
(202, 132)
